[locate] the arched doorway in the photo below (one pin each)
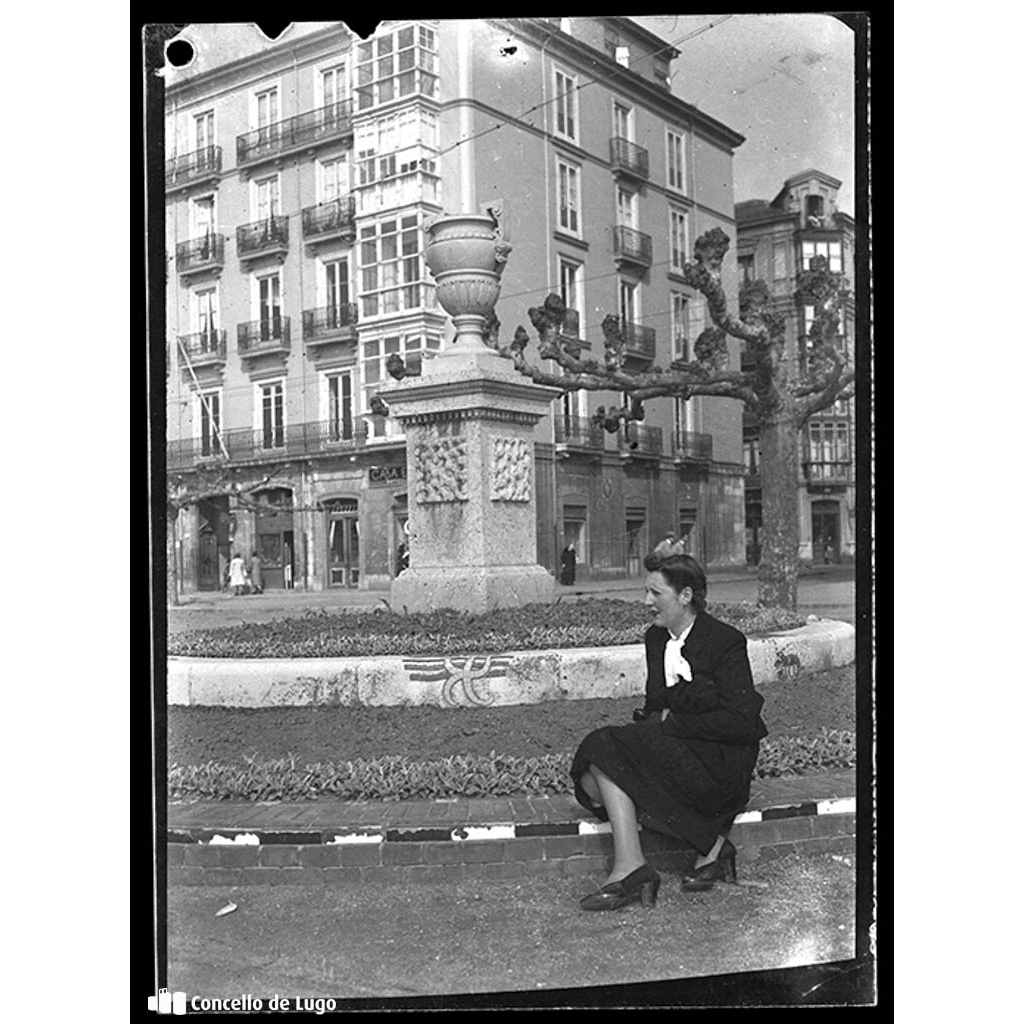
(214, 547)
(342, 531)
(275, 538)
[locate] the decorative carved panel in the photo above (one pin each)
(510, 469)
(441, 471)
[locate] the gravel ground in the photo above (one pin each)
(378, 941)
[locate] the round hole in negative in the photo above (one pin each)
(180, 53)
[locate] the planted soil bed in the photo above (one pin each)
(351, 633)
(798, 708)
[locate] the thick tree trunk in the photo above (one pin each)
(780, 514)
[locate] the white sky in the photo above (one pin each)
(784, 81)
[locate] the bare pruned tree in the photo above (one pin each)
(782, 393)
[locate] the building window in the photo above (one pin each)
(625, 207)
(832, 251)
(336, 290)
(268, 305)
(814, 207)
(266, 197)
(390, 256)
(204, 216)
(569, 197)
(374, 354)
(202, 125)
(208, 403)
(752, 457)
(267, 112)
(204, 318)
(570, 283)
(397, 159)
(398, 63)
(339, 406)
(333, 86)
(680, 328)
(676, 145)
(332, 179)
(683, 418)
(622, 121)
(679, 239)
(779, 269)
(746, 264)
(629, 302)
(565, 105)
(271, 414)
(829, 446)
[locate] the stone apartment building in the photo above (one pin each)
(774, 240)
(300, 174)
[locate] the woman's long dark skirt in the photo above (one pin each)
(686, 788)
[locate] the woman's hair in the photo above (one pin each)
(679, 570)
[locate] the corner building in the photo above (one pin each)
(776, 240)
(300, 176)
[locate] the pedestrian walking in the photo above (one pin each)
(236, 574)
(568, 562)
(256, 573)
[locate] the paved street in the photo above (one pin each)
(826, 591)
(433, 939)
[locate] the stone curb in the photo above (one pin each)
(496, 851)
(516, 677)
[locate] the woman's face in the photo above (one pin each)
(670, 610)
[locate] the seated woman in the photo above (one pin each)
(684, 767)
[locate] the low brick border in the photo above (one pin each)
(238, 856)
(516, 677)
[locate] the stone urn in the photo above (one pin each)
(466, 253)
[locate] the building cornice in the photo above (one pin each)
(277, 57)
(666, 102)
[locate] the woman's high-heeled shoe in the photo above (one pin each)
(722, 869)
(642, 885)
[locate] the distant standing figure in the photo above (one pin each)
(236, 573)
(256, 573)
(568, 576)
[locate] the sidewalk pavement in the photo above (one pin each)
(826, 590)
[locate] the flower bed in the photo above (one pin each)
(382, 631)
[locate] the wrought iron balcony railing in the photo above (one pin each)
(638, 341)
(638, 439)
(328, 322)
(263, 236)
(632, 246)
(306, 129)
(200, 254)
(272, 334)
(827, 472)
(579, 431)
(630, 158)
(690, 446)
(205, 347)
(318, 438)
(328, 220)
(199, 165)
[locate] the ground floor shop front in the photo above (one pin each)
(343, 521)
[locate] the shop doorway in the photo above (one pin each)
(825, 532)
(342, 542)
(275, 539)
(214, 543)
(636, 541)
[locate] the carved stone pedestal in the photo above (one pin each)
(468, 424)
